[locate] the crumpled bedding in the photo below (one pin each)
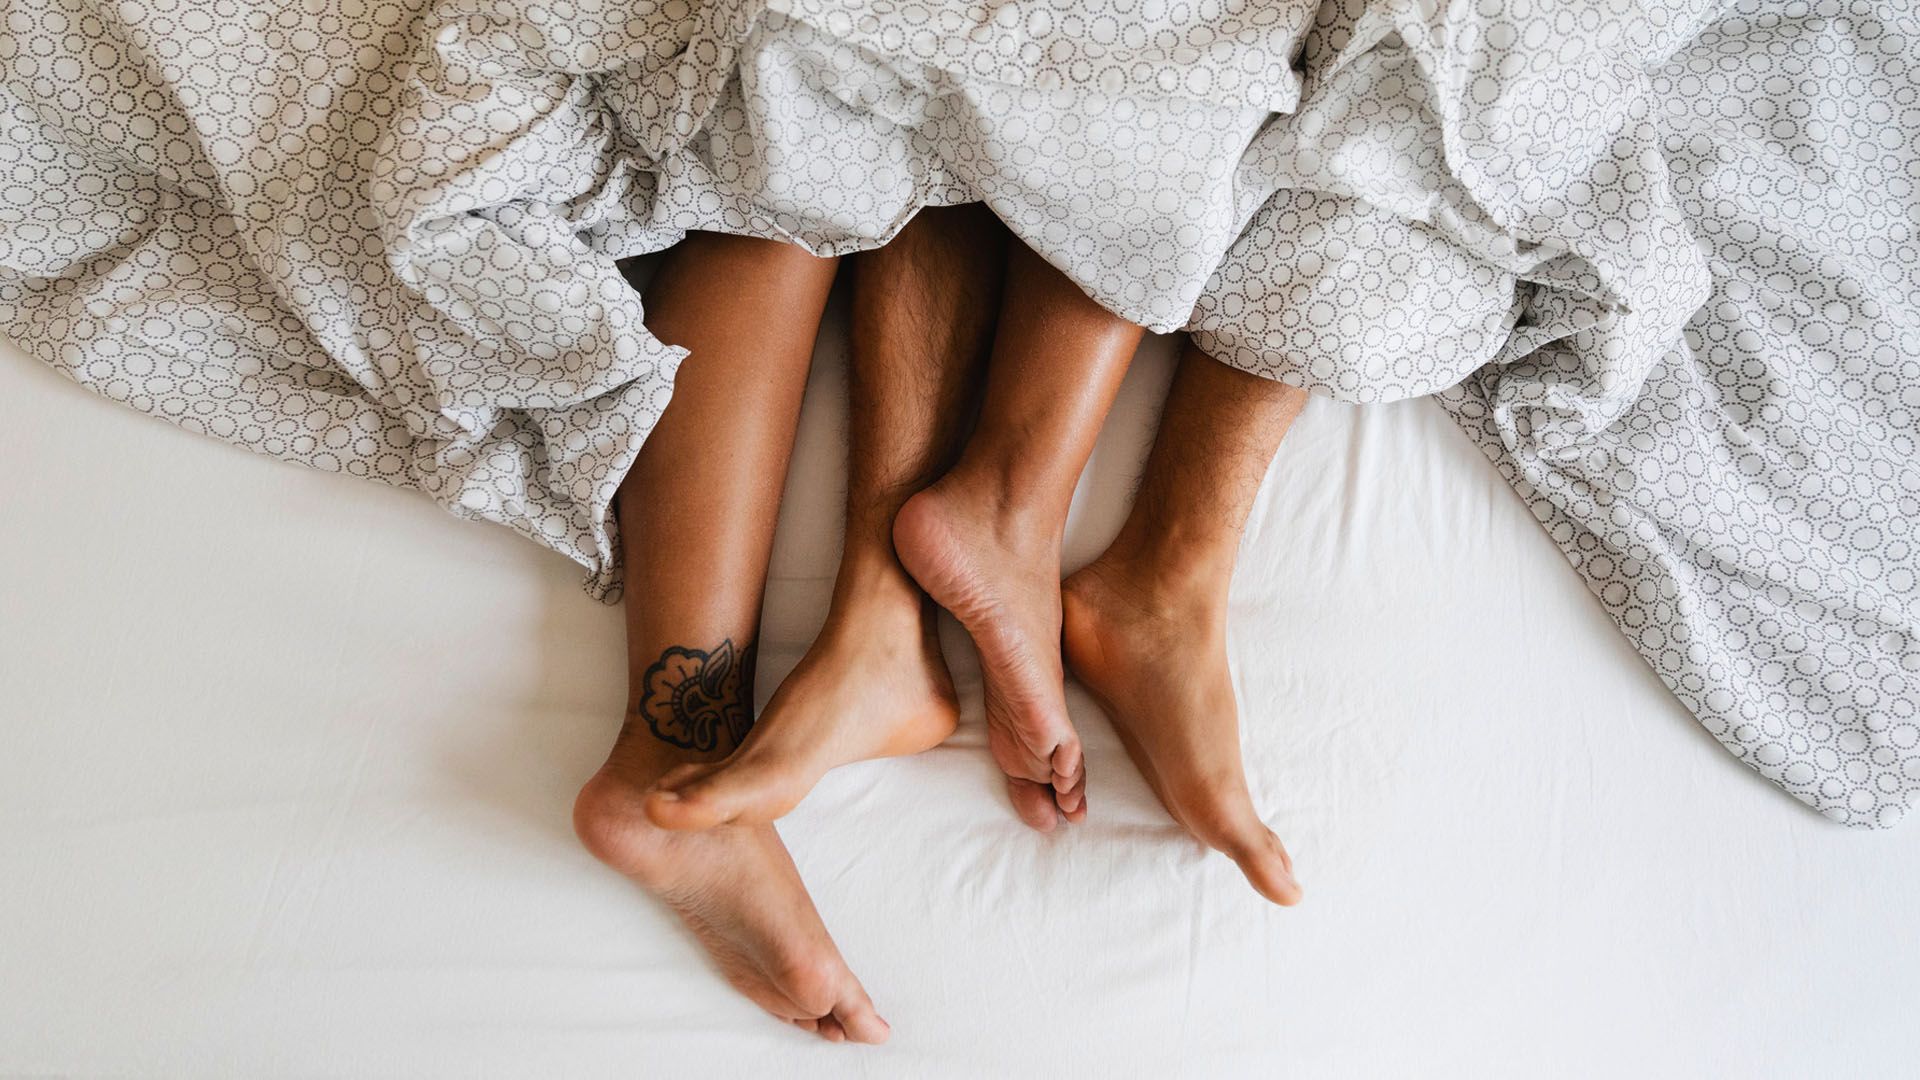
(1661, 266)
(1658, 261)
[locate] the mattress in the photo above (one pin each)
(287, 760)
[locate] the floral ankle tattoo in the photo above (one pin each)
(700, 700)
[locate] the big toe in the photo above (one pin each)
(1233, 828)
(1264, 861)
(860, 1021)
(1069, 779)
(826, 991)
(1046, 775)
(745, 790)
(1034, 803)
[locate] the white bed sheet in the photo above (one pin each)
(286, 763)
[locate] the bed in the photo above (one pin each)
(264, 821)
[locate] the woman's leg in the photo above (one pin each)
(873, 684)
(697, 514)
(984, 540)
(1146, 622)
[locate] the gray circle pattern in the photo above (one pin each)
(1662, 266)
(382, 237)
(1658, 260)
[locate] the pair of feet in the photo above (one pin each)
(1147, 639)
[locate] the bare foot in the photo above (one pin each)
(1158, 665)
(873, 685)
(1000, 576)
(736, 888)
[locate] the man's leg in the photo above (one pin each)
(697, 513)
(873, 684)
(1146, 626)
(984, 540)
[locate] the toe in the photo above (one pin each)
(1034, 803)
(749, 789)
(1069, 779)
(858, 1019)
(1066, 760)
(664, 805)
(829, 997)
(1268, 869)
(815, 980)
(1073, 801)
(1068, 771)
(1232, 827)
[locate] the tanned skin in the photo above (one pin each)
(1146, 622)
(874, 683)
(697, 513)
(981, 538)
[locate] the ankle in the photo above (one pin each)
(871, 584)
(638, 758)
(1021, 508)
(611, 822)
(685, 705)
(1168, 579)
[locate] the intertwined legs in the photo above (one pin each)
(697, 514)
(874, 683)
(984, 540)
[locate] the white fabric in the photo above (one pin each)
(286, 762)
(380, 237)
(243, 218)
(1657, 259)
(1661, 264)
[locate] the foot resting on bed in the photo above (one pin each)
(1156, 659)
(998, 572)
(736, 888)
(984, 539)
(1146, 623)
(873, 685)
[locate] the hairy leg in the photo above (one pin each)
(697, 512)
(874, 683)
(1146, 626)
(984, 540)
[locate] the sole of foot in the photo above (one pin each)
(737, 890)
(873, 685)
(1160, 672)
(1003, 586)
